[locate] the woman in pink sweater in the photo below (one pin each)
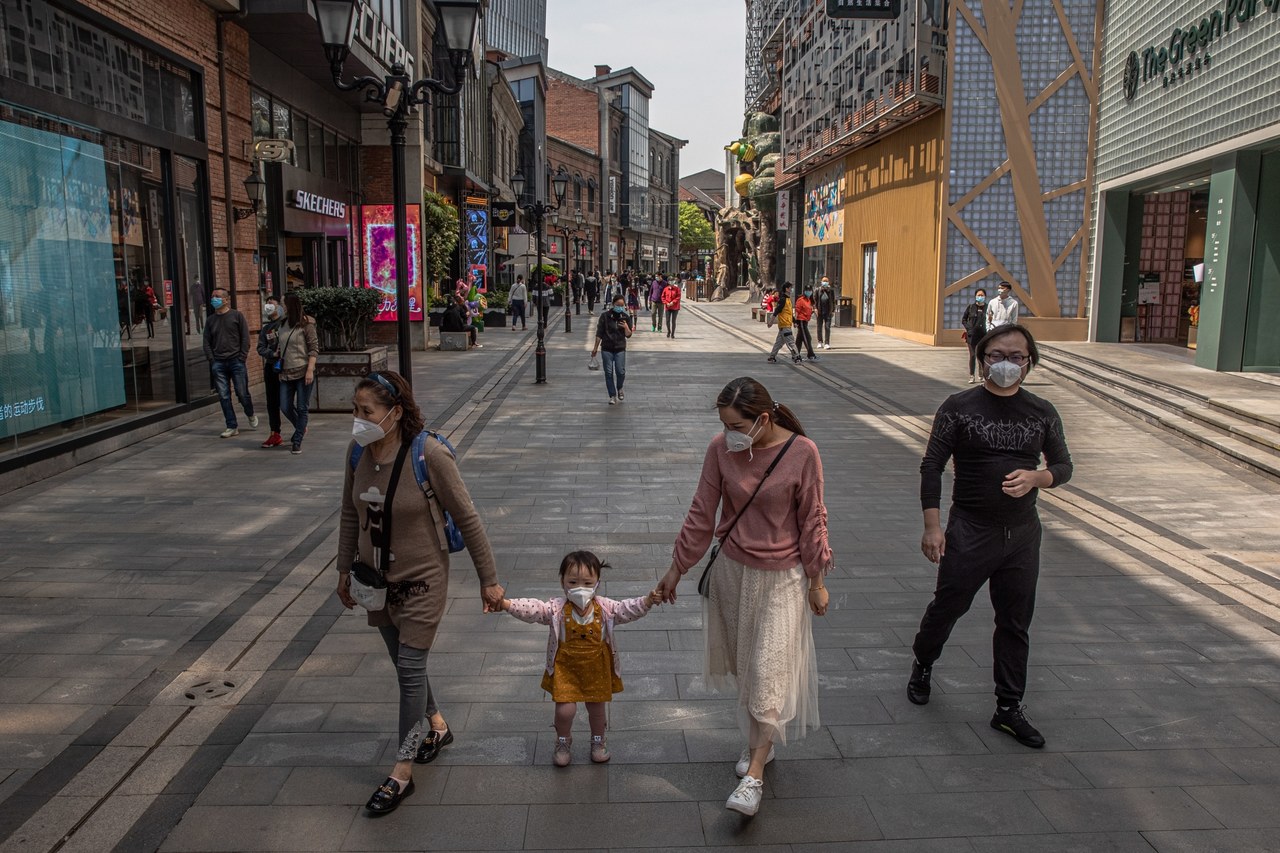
(769, 571)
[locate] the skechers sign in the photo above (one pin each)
(1186, 52)
(313, 203)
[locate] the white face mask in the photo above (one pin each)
(1006, 374)
(367, 432)
(736, 442)
(269, 313)
(581, 596)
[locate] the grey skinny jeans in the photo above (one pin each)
(417, 703)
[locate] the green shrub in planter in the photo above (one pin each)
(497, 299)
(343, 314)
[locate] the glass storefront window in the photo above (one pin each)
(330, 155)
(90, 315)
(1261, 341)
(260, 106)
(301, 136)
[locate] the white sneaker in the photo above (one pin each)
(613, 401)
(621, 396)
(229, 432)
(745, 761)
(746, 797)
(253, 422)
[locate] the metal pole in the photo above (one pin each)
(397, 124)
(568, 288)
(540, 353)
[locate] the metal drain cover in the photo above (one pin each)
(195, 688)
(203, 691)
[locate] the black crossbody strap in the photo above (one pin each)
(767, 472)
(385, 556)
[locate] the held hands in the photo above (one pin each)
(667, 586)
(492, 597)
(655, 597)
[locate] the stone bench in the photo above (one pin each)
(455, 341)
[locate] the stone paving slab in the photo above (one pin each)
(1159, 697)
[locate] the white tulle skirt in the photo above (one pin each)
(759, 642)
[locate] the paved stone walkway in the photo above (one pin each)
(189, 560)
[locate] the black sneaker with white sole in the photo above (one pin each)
(1013, 722)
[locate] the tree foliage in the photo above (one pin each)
(440, 228)
(695, 231)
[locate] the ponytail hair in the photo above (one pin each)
(752, 399)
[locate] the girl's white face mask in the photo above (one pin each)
(581, 596)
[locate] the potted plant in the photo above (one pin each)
(435, 305)
(343, 316)
(496, 314)
(1194, 313)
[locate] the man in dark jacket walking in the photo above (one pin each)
(269, 350)
(824, 308)
(226, 345)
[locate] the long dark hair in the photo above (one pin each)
(390, 390)
(293, 311)
(752, 399)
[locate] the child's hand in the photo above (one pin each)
(655, 598)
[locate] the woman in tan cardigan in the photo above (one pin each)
(415, 559)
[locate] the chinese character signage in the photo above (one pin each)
(784, 210)
(380, 257)
(864, 8)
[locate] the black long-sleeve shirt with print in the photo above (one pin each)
(988, 437)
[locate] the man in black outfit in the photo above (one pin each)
(996, 433)
(593, 290)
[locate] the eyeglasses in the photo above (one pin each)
(386, 386)
(997, 357)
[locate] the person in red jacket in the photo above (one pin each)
(671, 302)
(804, 312)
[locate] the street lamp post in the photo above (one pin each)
(539, 210)
(569, 273)
(399, 95)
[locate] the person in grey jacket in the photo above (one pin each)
(299, 347)
(269, 351)
(226, 345)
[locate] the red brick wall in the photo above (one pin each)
(573, 113)
(188, 28)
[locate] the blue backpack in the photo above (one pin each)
(451, 535)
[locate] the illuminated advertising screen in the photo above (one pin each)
(380, 257)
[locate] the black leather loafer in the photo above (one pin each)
(918, 686)
(431, 746)
(387, 798)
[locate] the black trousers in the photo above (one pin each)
(1006, 558)
(824, 326)
(671, 322)
(803, 338)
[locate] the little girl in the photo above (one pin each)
(582, 660)
(633, 303)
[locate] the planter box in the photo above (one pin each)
(454, 341)
(434, 316)
(557, 300)
(1192, 333)
(496, 317)
(337, 374)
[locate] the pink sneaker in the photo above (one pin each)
(599, 752)
(562, 755)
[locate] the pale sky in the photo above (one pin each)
(691, 50)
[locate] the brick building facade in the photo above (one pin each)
(571, 244)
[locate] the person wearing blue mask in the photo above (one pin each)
(975, 326)
(226, 345)
(612, 330)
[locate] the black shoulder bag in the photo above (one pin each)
(369, 584)
(704, 582)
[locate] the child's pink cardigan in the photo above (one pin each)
(551, 613)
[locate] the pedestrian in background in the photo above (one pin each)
(633, 304)
(593, 290)
(299, 349)
(612, 330)
(269, 351)
(196, 298)
(671, 307)
(1003, 310)
(804, 311)
(785, 318)
(654, 300)
(408, 545)
(579, 283)
(773, 558)
(996, 434)
(975, 326)
(226, 346)
(516, 299)
(825, 308)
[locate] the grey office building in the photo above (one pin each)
(518, 28)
